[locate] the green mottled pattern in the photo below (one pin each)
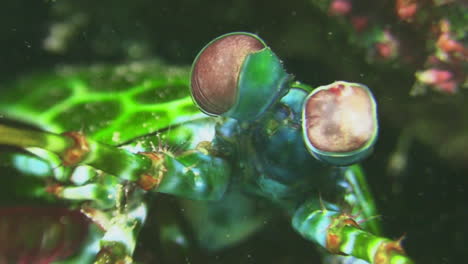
(111, 104)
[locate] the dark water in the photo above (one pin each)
(425, 201)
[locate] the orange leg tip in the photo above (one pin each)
(386, 250)
(77, 152)
(148, 182)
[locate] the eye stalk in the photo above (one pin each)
(216, 69)
(340, 123)
(237, 75)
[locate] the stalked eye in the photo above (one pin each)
(215, 72)
(340, 123)
(238, 76)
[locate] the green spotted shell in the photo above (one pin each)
(111, 104)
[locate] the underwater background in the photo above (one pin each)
(412, 54)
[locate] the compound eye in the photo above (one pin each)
(215, 71)
(340, 123)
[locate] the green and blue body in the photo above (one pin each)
(146, 107)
